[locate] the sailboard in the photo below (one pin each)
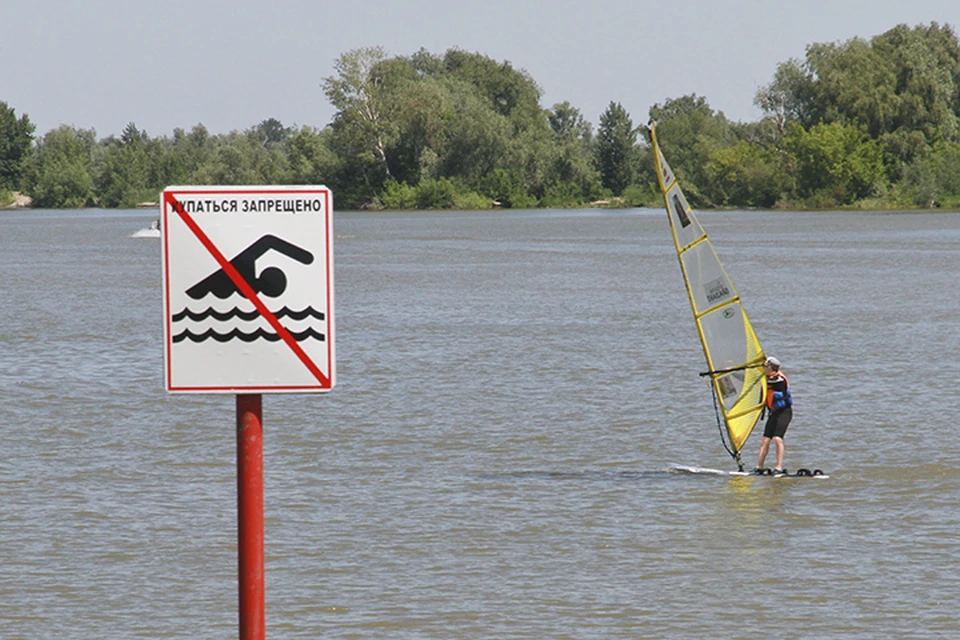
(766, 473)
(733, 352)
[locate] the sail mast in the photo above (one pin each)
(733, 353)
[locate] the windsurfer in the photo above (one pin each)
(779, 407)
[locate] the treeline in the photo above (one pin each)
(862, 123)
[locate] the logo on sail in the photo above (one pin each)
(716, 290)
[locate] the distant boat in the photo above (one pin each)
(152, 232)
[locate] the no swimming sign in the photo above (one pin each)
(248, 289)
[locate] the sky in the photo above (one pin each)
(230, 64)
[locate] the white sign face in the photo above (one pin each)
(248, 289)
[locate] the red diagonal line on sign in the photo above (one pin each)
(246, 289)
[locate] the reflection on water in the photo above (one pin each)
(493, 462)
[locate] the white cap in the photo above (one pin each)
(772, 362)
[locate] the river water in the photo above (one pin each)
(494, 461)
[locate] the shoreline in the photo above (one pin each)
(20, 201)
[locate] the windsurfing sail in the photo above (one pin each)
(734, 356)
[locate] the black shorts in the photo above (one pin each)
(777, 423)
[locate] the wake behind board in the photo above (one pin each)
(801, 473)
(680, 468)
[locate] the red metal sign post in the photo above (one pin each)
(279, 261)
(250, 516)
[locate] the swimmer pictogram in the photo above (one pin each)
(271, 282)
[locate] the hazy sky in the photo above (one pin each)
(232, 64)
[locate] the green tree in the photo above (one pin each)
(16, 141)
(125, 175)
(243, 158)
(510, 92)
(902, 79)
(398, 196)
(467, 117)
(311, 160)
(934, 180)
(425, 108)
(271, 133)
(836, 164)
(58, 174)
(690, 132)
(507, 189)
(477, 138)
(517, 133)
(571, 175)
(746, 175)
(189, 152)
(945, 160)
(460, 116)
(901, 149)
(926, 61)
(855, 85)
(365, 118)
(616, 139)
(790, 97)
(568, 124)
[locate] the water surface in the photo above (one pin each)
(512, 387)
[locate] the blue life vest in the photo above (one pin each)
(782, 399)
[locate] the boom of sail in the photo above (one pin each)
(734, 356)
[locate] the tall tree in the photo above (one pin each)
(690, 132)
(124, 176)
(746, 174)
(508, 91)
(270, 132)
(571, 171)
(903, 79)
(477, 138)
(311, 160)
(16, 140)
(926, 61)
(568, 123)
(424, 115)
(58, 174)
(855, 84)
(516, 130)
(365, 110)
(836, 163)
(791, 97)
(190, 151)
(616, 139)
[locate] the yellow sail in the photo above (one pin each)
(734, 356)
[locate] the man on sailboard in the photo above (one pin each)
(779, 413)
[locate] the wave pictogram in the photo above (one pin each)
(253, 314)
(237, 334)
